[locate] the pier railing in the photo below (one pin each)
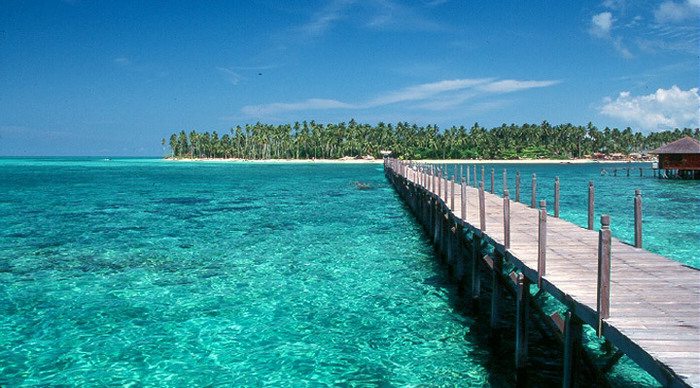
(572, 264)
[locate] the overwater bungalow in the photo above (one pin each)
(680, 159)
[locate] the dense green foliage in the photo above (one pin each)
(410, 141)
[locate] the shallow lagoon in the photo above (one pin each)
(120, 271)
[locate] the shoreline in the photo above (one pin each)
(422, 161)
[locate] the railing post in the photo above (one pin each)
(476, 178)
(447, 176)
(439, 183)
(506, 219)
(638, 218)
(467, 179)
(505, 180)
(591, 202)
(452, 192)
(603, 306)
(483, 173)
(517, 186)
(542, 243)
(533, 197)
(556, 197)
(493, 178)
(482, 208)
(463, 199)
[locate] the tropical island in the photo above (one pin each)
(311, 140)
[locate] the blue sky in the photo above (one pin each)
(86, 77)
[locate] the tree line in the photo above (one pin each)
(308, 140)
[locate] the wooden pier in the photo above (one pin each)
(644, 304)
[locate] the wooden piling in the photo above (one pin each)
(475, 280)
(521, 321)
(603, 305)
(505, 180)
(506, 219)
(482, 208)
(638, 218)
(517, 186)
(533, 197)
(591, 202)
(641, 172)
(542, 243)
(493, 178)
(476, 178)
(573, 334)
(496, 273)
(556, 197)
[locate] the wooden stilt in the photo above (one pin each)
(521, 320)
(573, 332)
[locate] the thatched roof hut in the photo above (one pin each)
(682, 155)
(686, 145)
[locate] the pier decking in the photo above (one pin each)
(654, 302)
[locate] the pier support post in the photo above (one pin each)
(603, 305)
(556, 197)
(476, 178)
(521, 322)
(517, 186)
(542, 243)
(475, 280)
(482, 208)
(506, 219)
(505, 180)
(573, 334)
(493, 180)
(533, 197)
(496, 273)
(638, 218)
(591, 203)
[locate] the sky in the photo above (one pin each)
(100, 78)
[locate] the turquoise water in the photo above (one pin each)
(159, 273)
(192, 274)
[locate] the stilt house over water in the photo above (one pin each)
(680, 158)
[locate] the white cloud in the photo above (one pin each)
(325, 18)
(231, 76)
(671, 11)
(667, 108)
(423, 91)
(280, 107)
(511, 85)
(439, 95)
(601, 24)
